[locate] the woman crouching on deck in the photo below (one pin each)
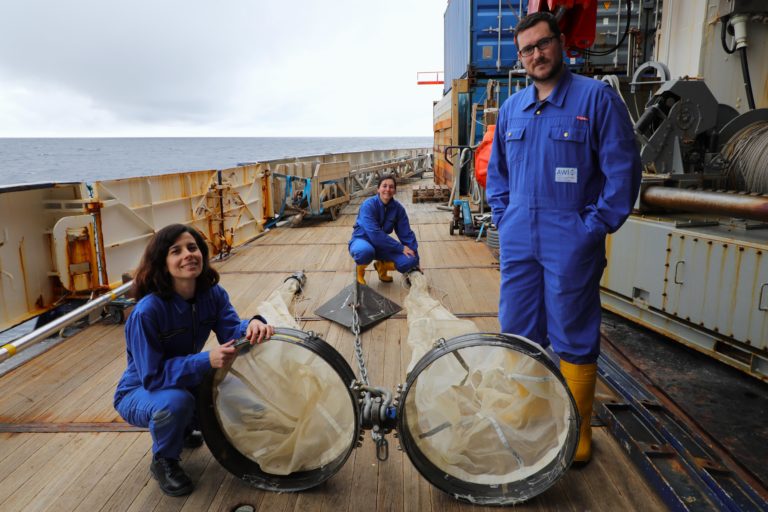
(378, 217)
(179, 303)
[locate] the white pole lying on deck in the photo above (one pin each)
(48, 329)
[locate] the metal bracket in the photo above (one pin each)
(685, 471)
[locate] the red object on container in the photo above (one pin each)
(483, 155)
(578, 19)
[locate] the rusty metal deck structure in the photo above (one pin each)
(63, 447)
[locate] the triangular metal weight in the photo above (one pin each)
(373, 307)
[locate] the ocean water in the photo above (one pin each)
(93, 159)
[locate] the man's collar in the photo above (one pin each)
(556, 97)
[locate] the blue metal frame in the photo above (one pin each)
(687, 473)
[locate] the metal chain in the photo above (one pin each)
(382, 446)
(359, 344)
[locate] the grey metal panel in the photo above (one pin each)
(717, 283)
(636, 258)
(722, 72)
(456, 40)
(706, 287)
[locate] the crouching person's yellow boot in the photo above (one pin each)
(382, 267)
(581, 381)
(361, 273)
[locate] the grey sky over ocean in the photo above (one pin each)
(90, 68)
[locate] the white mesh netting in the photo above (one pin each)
(281, 405)
(490, 415)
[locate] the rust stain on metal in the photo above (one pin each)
(720, 275)
(734, 292)
(81, 258)
(94, 208)
(665, 288)
(705, 201)
(24, 279)
(707, 263)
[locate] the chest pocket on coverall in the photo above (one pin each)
(569, 148)
(514, 145)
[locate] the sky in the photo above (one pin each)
(251, 68)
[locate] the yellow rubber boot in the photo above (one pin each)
(382, 267)
(581, 381)
(361, 273)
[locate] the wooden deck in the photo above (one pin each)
(63, 447)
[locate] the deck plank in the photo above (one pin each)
(62, 475)
(9, 443)
(77, 493)
(391, 472)
(207, 486)
(21, 486)
(27, 388)
(133, 482)
(234, 492)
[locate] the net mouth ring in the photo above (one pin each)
(507, 493)
(245, 468)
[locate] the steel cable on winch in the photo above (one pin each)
(746, 153)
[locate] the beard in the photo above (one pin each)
(546, 74)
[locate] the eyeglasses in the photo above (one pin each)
(542, 44)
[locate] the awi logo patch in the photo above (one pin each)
(567, 174)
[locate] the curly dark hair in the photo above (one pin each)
(527, 22)
(152, 276)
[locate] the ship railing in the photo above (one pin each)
(77, 239)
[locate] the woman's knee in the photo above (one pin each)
(406, 263)
(173, 405)
(362, 253)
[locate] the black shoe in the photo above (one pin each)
(194, 439)
(172, 479)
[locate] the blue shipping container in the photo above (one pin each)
(479, 35)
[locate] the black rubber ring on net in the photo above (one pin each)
(247, 469)
(507, 493)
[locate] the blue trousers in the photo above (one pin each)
(363, 252)
(166, 412)
(550, 281)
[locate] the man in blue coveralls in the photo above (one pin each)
(378, 217)
(564, 171)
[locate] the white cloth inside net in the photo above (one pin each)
(281, 405)
(502, 419)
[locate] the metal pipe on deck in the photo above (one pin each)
(743, 206)
(63, 321)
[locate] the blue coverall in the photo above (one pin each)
(563, 173)
(164, 339)
(370, 236)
